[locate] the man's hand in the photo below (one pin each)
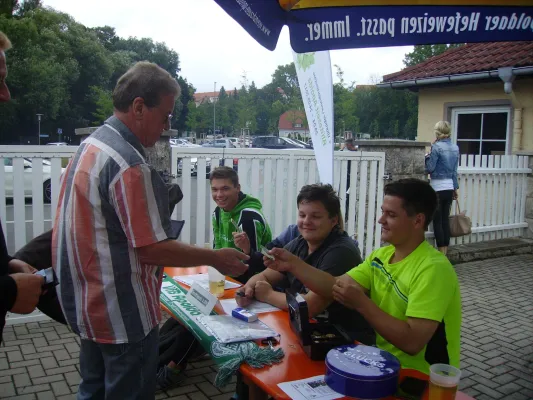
(284, 260)
(29, 288)
(242, 241)
(20, 267)
(247, 298)
(347, 294)
(262, 291)
(229, 262)
(455, 195)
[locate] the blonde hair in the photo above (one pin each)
(443, 130)
(5, 44)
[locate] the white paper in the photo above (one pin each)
(256, 307)
(309, 388)
(203, 281)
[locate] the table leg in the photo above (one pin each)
(241, 388)
(247, 390)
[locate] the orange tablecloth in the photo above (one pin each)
(296, 364)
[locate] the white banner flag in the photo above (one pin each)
(316, 85)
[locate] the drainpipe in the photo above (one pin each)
(507, 76)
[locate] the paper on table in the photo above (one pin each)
(203, 281)
(257, 307)
(309, 389)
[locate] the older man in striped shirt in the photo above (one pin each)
(111, 237)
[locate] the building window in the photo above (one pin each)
(297, 125)
(481, 131)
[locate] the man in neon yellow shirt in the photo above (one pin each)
(407, 291)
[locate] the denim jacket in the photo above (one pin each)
(443, 160)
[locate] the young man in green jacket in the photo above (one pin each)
(236, 217)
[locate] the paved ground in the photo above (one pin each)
(40, 360)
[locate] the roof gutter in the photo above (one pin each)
(455, 78)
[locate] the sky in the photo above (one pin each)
(213, 47)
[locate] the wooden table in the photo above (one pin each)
(296, 364)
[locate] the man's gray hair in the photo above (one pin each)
(146, 80)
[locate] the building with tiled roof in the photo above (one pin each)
(292, 123)
(210, 97)
(484, 89)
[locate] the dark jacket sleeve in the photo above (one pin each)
(289, 233)
(37, 252)
(8, 287)
(5, 258)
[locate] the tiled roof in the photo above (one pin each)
(286, 120)
(473, 57)
(199, 97)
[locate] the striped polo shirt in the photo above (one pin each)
(111, 202)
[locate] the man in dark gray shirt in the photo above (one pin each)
(323, 244)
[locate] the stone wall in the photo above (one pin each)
(403, 158)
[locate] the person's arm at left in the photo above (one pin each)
(19, 266)
(428, 301)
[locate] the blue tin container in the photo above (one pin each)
(362, 372)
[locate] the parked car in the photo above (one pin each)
(220, 143)
(182, 143)
(57, 144)
(28, 180)
(236, 142)
(194, 166)
(277, 143)
(301, 142)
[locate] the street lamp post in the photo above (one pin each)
(214, 110)
(39, 121)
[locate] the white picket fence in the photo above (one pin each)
(275, 178)
(22, 220)
(492, 191)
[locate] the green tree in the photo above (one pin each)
(61, 69)
(222, 95)
(8, 7)
(107, 36)
(104, 104)
(424, 51)
(27, 6)
(285, 83)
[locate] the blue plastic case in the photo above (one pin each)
(244, 315)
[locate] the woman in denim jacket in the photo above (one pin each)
(441, 164)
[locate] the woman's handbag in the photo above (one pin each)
(460, 224)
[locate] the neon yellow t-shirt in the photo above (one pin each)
(423, 285)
